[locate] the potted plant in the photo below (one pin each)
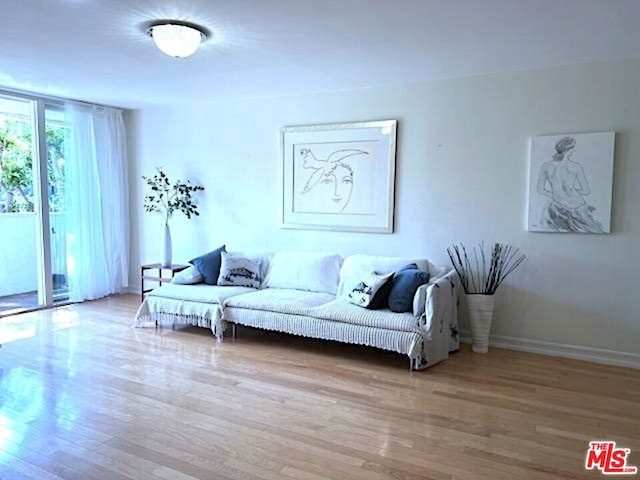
(481, 273)
(166, 198)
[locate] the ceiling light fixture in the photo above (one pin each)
(176, 39)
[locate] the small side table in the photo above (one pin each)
(160, 278)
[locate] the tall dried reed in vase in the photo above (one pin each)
(481, 271)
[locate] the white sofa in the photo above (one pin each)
(305, 294)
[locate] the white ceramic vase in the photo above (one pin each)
(480, 317)
(166, 252)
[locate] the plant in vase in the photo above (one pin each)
(166, 198)
(481, 272)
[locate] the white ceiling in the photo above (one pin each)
(96, 49)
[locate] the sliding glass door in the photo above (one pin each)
(18, 217)
(55, 135)
(32, 233)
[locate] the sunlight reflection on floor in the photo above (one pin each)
(16, 327)
(26, 392)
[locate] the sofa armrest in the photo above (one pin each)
(436, 303)
(441, 278)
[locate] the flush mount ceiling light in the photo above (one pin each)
(176, 39)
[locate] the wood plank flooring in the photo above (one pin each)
(85, 396)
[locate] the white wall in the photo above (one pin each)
(461, 176)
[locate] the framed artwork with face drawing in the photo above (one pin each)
(339, 176)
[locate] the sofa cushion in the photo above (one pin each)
(340, 310)
(404, 286)
(320, 306)
(355, 267)
(189, 276)
(209, 265)
(309, 271)
(280, 300)
(366, 290)
(239, 271)
(198, 293)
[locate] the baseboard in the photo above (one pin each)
(132, 290)
(596, 355)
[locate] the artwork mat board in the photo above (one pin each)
(365, 205)
(595, 154)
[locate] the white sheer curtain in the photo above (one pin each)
(97, 201)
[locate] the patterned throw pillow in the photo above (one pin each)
(365, 291)
(380, 300)
(239, 271)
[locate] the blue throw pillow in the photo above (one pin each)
(403, 287)
(209, 265)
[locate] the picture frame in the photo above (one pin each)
(571, 183)
(339, 176)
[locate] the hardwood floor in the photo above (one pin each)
(85, 396)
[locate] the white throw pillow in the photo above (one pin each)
(188, 276)
(239, 271)
(309, 271)
(366, 289)
(355, 267)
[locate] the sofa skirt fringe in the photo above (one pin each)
(408, 343)
(163, 312)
